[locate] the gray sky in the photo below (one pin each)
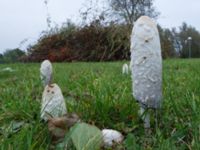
(174, 12)
(21, 19)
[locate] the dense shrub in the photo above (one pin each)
(100, 42)
(93, 42)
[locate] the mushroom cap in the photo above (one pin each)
(111, 137)
(125, 69)
(46, 72)
(146, 63)
(53, 103)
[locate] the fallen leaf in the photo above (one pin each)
(58, 126)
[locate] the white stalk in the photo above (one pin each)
(145, 117)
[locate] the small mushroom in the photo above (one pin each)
(125, 69)
(111, 137)
(46, 72)
(53, 102)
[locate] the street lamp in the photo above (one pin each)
(189, 44)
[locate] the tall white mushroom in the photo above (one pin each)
(46, 72)
(146, 66)
(53, 103)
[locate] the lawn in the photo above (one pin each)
(101, 95)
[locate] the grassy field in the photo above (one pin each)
(101, 95)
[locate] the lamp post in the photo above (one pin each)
(189, 44)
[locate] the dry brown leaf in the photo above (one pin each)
(58, 126)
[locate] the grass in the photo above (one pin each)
(101, 95)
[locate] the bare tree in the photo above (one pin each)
(131, 10)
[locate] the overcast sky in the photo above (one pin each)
(22, 19)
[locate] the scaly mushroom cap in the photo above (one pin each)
(46, 72)
(53, 103)
(146, 63)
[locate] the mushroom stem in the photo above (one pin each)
(156, 118)
(145, 117)
(50, 80)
